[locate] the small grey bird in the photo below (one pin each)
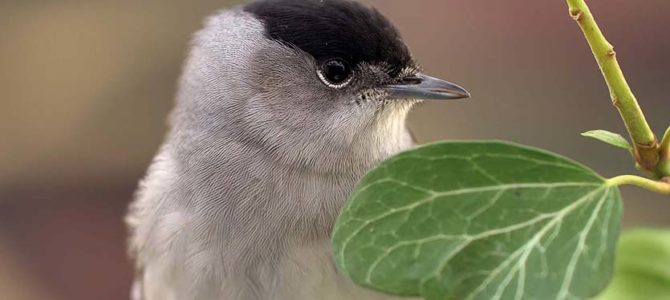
(282, 107)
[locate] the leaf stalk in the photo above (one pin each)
(662, 186)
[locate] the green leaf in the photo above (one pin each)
(642, 267)
(480, 220)
(611, 138)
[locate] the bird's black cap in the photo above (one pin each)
(328, 29)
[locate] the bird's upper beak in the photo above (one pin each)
(422, 86)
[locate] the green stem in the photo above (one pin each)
(663, 168)
(646, 145)
(665, 146)
(662, 187)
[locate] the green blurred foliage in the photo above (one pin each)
(642, 268)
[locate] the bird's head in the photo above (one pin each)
(305, 79)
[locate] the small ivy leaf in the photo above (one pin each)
(611, 138)
(642, 267)
(480, 220)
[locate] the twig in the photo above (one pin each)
(644, 141)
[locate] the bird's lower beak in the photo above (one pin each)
(422, 86)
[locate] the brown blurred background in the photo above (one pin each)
(85, 87)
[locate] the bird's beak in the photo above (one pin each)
(422, 86)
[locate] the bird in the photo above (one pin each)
(281, 108)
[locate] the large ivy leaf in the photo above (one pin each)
(642, 267)
(480, 220)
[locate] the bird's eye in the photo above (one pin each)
(335, 73)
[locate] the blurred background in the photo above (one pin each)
(86, 87)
